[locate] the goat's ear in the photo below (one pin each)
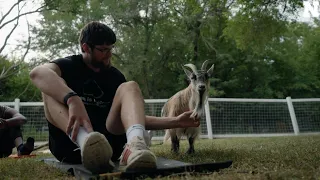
(210, 71)
(188, 73)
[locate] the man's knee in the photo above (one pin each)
(129, 86)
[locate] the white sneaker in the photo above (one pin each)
(96, 153)
(136, 155)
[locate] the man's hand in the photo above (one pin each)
(186, 120)
(77, 117)
(3, 123)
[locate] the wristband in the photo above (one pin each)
(70, 94)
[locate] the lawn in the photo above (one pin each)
(294, 157)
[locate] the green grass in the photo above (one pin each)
(296, 157)
(29, 168)
(257, 158)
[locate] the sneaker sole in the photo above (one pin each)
(96, 154)
(145, 160)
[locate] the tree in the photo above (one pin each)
(255, 23)
(20, 6)
(9, 17)
(242, 38)
(17, 84)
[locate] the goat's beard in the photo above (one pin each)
(201, 100)
(199, 105)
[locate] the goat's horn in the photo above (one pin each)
(204, 65)
(193, 67)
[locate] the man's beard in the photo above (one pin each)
(97, 64)
(100, 65)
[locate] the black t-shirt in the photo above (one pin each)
(96, 89)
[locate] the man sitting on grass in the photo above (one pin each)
(95, 116)
(10, 133)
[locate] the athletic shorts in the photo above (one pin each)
(7, 138)
(65, 150)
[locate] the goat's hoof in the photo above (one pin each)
(175, 151)
(190, 152)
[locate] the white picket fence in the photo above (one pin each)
(224, 117)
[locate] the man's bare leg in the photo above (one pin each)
(96, 152)
(127, 108)
(127, 116)
(55, 112)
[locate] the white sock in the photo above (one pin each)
(82, 135)
(135, 130)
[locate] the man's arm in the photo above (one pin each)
(47, 78)
(12, 118)
(182, 121)
(159, 123)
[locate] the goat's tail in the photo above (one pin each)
(166, 138)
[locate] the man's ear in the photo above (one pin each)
(86, 48)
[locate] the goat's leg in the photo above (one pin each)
(191, 145)
(175, 144)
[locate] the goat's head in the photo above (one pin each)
(200, 84)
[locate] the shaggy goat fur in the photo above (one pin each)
(193, 98)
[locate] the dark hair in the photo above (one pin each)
(96, 33)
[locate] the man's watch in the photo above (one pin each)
(70, 94)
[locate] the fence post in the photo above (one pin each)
(208, 120)
(293, 116)
(17, 104)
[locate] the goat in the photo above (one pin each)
(193, 98)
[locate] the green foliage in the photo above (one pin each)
(257, 22)
(254, 31)
(257, 48)
(60, 27)
(17, 85)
